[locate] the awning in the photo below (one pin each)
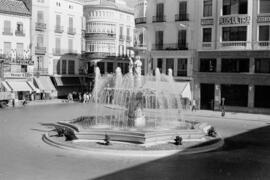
(6, 86)
(181, 88)
(44, 83)
(33, 86)
(19, 86)
(67, 81)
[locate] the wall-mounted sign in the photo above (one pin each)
(234, 20)
(17, 75)
(263, 19)
(205, 22)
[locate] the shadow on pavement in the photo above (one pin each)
(245, 156)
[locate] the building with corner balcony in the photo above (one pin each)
(233, 55)
(56, 45)
(16, 64)
(167, 32)
(108, 36)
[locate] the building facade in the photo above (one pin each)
(169, 37)
(57, 44)
(108, 36)
(16, 64)
(233, 55)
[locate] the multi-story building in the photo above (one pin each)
(233, 55)
(16, 65)
(108, 36)
(56, 44)
(170, 35)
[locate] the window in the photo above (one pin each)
(57, 45)
(7, 48)
(264, 6)
(207, 34)
(58, 20)
(262, 97)
(71, 67)
(234, 65)
(19, 50)
(40, 40)
(182, 35)
(159, 39)
(170, 65)
(262, 65)
(64, 66)
(235, 95)
(207, 8)
(23, 68)
(264, 33)
(70, 45)
(101, 66)
(70, 22)
(235, 7)
(160, 10)
(160, 64)
(40, 17)
(58, 4)
(58, 66)
(182, 67)
(234, 33)
(19, 27)
(182, 7)
(110, 67)
(208, 65)
(7, 27)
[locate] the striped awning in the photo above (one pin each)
(44, 83)
(6, 86)
(19, 86)
(67, 81)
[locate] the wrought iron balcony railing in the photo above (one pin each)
(59, 29)
(19, 33)
(71, 31)
(40, 26)
(159, 19)
(141, 20)
(182, 17)
(175, 46)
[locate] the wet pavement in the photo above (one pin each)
(23, 155)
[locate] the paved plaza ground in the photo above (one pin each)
(23, 155)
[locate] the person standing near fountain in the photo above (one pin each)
(138, 72)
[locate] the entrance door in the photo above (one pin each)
(207, 96)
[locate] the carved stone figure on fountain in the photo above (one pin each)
(136, 117)
(138, 72)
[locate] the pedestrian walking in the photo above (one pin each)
(193, 108)
(222, 107)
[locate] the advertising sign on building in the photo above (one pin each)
(230, 20)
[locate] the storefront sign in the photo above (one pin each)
(17, 75)
(263, 19)
(205, 22)
(234, 20)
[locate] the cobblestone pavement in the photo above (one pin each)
(23, 155)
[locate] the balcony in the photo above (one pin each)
(128, 38)
(40, 50)
(59, 29)
(241, 45)
(170, 47)
(40, 26)
(40, 71)
(16, 60)
(141, 20)
(60, 52)
(7, 32)
(140, 46)
(19, 33)
(262, 45)
(182, 17)
(98, 55)
(71, 31)
(121, 37)
(159, 19)
(100, 35)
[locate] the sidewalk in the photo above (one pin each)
(228, 115)
(47, 102)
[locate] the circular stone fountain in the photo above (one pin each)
(135, 110)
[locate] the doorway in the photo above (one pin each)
(207, 96)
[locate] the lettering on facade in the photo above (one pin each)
(234, 20)
(17, 75)
(263, 19)
(205, 22)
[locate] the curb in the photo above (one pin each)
(131, 153)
